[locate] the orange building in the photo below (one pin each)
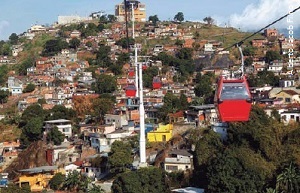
(139, 11)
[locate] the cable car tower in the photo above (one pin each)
(138, 66)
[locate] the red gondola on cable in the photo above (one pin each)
(233, 99)
(144, 67)
(156, 83)
(130, 90)
(131, 73)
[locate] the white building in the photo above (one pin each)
(37, 28)
(62, 20)
(63, 126)
(178, 160)
(290, 116)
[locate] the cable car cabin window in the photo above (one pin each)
(233, 91)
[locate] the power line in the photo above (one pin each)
(242, 41)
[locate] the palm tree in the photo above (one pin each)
(76, 181)
(96, 189)
(271, 190)
(288, 180)
(72, 181)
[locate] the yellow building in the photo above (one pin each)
(139, 11)
(162, 133)
(37, 178)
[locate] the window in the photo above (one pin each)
(287, 100)
(234, 91)
(292, 116)
(172, 168)
(65, 130)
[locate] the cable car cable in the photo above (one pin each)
(242, 41)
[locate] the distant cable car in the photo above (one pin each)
(156, 83)
(144, 67)
(131, 73)
(130, 90)
(233, 99)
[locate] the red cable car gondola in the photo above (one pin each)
(233, 100)
(131, 73)
(130, 90)
(156, 83)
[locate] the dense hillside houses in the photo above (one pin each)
(70, 101)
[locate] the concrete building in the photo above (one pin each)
(63, 126)
(162, 134)
(37, 178)
(62, 20)
(178, 160)
(139, 11)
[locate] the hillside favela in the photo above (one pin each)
(123, 101)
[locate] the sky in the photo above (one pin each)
(247, 15)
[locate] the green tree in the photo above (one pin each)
(76, 182)
(111, 18)
(153, 19)
(248, 61)
(53, 47)
(238, 169)
(123, 42)
(289, 179)
(116, 69)
(27, 63)
(208, 144)
(95, 189)
(33, 111)
(6, 49)
(101, 107)
(104, 84)
(89, 44)
(14, 188)
(74, 43)
(13, 38)
(150, 180)
(249, 51)
(171, 104)
(148, 76)
(203, 87)
(3, 96)
(103, 19)
(57, 181)
(209, 20)
(179, 17)
(55, 136)
(179, 42)
(102, 56)
(90, 30)
(29, 88)
(262, 78)
(61, 112)
(100, 27)
(272, 55)
(123, 58)
(3, 74)
(32, 131)
(120, 156)
(185, 54)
